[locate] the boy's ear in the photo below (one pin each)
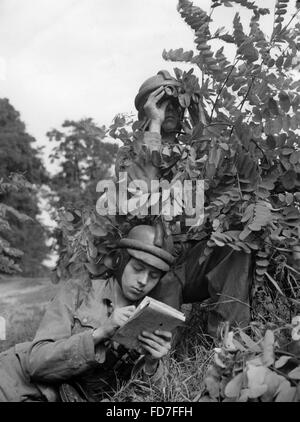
(112, 259)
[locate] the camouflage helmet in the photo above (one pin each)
(163, 78)
(147, 244)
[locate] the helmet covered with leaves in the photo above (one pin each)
(163, 78)
(148, 244)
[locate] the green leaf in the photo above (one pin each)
(256, 227)
(260, 271)
(282, 4)
(219, 243)
(286, 393)
(268, 348)
(248, 213)
(212, 386)
(274, 283)
(254, 347)
(98, 231)
(234, 386)
(271, 63)
(69, 217)
(184, 100)
(256, 385)
(282, 361)
(245, 233)
(224, 146)
(166, 151)
(249, 52)
(280, 12)
(271, 142)
(279, 61)
(206, 53)
(262, 262)
(178, 55)
(93, 250)
(288, 180)
(203, 46)
(227, 38)
(286, 121)
(238, 345)
(286, 151)
(272, 104)
(295, 123)
(289, 198)
(273, 381)
(295, 157)
(295, 373)
(288, 61)
(243, 246)
(275, 125)
(284, 101)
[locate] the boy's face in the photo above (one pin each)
(139, 279)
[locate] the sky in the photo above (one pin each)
(69, 59)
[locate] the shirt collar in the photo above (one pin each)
(105, 289)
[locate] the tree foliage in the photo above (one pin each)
(83, 158)
(9, 256)
(20, 159)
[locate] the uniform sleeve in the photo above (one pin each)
(158, 377)
(55, 354)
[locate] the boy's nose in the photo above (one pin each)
(143, 278)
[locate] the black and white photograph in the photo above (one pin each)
(150, 204)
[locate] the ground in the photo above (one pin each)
(22, 303)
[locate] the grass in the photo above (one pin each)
(183, 381)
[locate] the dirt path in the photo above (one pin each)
(22, 303)
(25, 290)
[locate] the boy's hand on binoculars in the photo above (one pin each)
(155, 112)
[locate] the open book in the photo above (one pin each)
(150, 315)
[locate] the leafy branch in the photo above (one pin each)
(222, 87)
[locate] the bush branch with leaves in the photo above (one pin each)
(245, 144)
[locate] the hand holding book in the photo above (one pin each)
(155, 345)
(149, 316)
